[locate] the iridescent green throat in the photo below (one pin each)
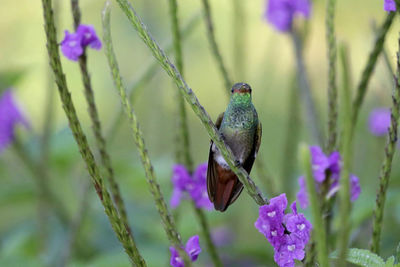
(240, 99)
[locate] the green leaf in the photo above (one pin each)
(397, 255)
(362, 257)
(9, 78)
(390, 262)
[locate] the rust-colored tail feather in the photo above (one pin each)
(223, 195)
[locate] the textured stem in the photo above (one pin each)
(41, 177)
(239, 37)
(346, 149)
(319, 228)
(183, 135)
(192, 100)
(80, 138)
(207, 236)
(369, 67)
(214, 47)
(387, 162)
(332, 89)
(145, 76)
(168, 221)
(305, 90)
(96, 126)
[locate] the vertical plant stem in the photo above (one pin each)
(344, 192)
(183, 135)
(96, 125)
(265, 176)
(318, 223)
(332, 89)
(214, 47)
(80, 138)
(290, 145)
(387, 162)
(192, 100)
(305, 90)
(369, 67)
(168, 221)
(41, 177)
(239, 27)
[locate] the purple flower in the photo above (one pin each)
(71, 46)
(192, 248)
(181, 180)
(89, 37)
(297, 224)
(302, 196)
(195, 186)
(321, 163)
(355, 188)
(379, 121)
(10, 116)
(280, 13)
(198, 190)
(389, 5)
(290, 249)
(74, 44)
(288, 234)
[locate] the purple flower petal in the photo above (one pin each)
(379, 121)
(71, 46)
(89, 37)
(280, 13)
(193, 248)
(10, 116)
(176, 260)
(389, 5)
(334, 163)
(320, 163)
(302, 196)
(355, 187)
(181, 181)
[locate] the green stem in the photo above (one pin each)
(239, 30)
(344, 192)
(318, 223)
(168, 221)
(305, 90)
(80, 138)
(184, 133)
(96, 125)
(214, 47)
(369, 67)
(332, 89)
(192, 100)
(387, 163)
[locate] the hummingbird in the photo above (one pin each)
(241, 131)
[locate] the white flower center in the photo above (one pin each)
(178, 259)
(291, 247)
(301, 226)
(88, 35)
(72, 43)
(271, 214)
(274, 233)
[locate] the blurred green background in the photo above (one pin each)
(30, 236)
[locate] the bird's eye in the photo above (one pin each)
(232, 90)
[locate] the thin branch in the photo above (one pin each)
(319, 235)
(80, 138)
(344, 192)
(167, 219)
(332, 89)
(214, 47)
(96, 125)
(387, 162)
(369, 67)
(192, 100)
